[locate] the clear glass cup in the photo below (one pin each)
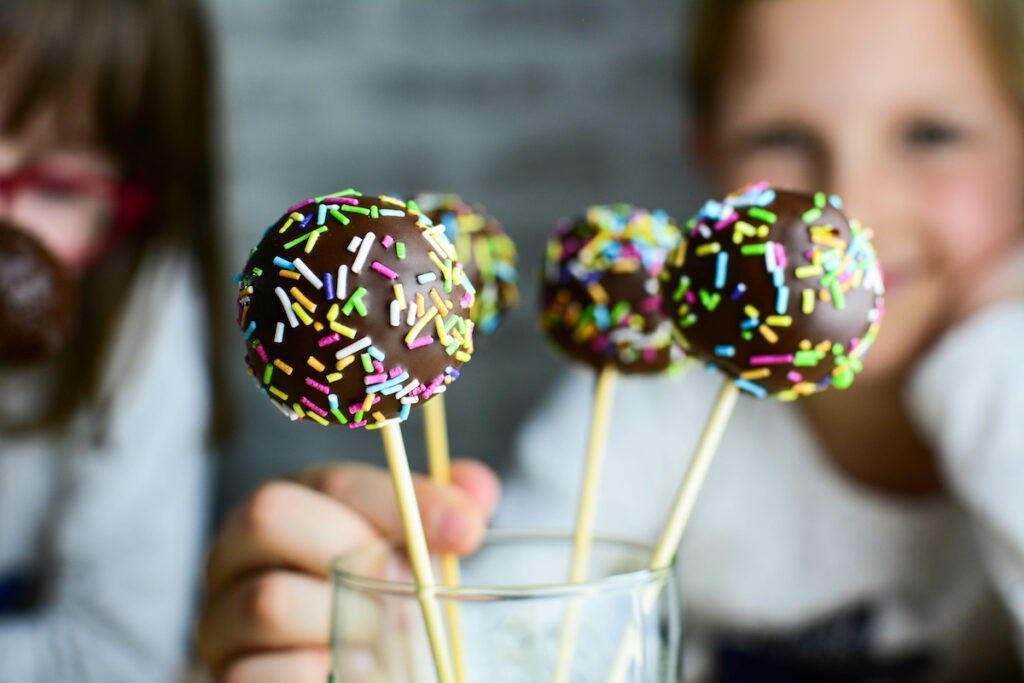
(511, 608)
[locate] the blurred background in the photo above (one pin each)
(533, 109)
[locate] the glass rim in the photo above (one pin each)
(623, 581)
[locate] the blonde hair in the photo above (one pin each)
(1000, 22)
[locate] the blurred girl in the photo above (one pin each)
(872, 534)
(105, 160)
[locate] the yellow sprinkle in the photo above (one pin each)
(388, 199)
(598, 293)
(441, 334)
(345, 362)
(301, 312)
(301, 298)
(315, 364)
(709, 248)
(309, 248)
(282, 366)
(298, 409)
(828, 241)
(419, 304)
(809, 271)
(318, 326)
(311, 413)
(291, 274)
(296, 216)
(368, 402)
(437, 262)
(762, 231)
(458, 337)
(768, 334)
(759, 373)
(343, 330)
(824, 347)
(779, 320)
(287, 224)
(462, 356)
(805, 345)
(333, 377)
(378, 416)
(420, 324)
(400, 295)
(332, 313)
(277, 392)
(808, 302)
(751, 311)
(679, 255)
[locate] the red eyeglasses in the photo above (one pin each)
(58, 192)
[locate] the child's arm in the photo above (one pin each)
(123, 544)
(967, 396)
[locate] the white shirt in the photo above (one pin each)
(786, 562)
(110, 516)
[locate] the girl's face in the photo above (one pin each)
(895, 106)
(62, 196)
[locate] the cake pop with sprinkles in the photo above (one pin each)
(777, 289)
(601, 302)
(488, 255)
(37, 299)
(354, 309)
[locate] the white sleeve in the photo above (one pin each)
(125, 536)
(967, 397)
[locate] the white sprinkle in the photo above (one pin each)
(391, 212)
(341, 286)
(651, 286)
(307, 273)
(364, 251)
(769, 255)
(279, 333)
(287, 303)
(407, 388)
(354, 244)
(389, 421)
(396, 313)
(286, 411)
(411, 317)
(354, 347)
(410, 399)
(424, 278)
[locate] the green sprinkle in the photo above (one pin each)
(266, 373)
(807, 359)
(257, 271)
(400, 249)
(837, 296)
(337, 414)
(709, 300)
(358, 417)
(355, 209)
(367, 362)
(747, 335)
(811, 215)
(837, 349)
(298, 240)
(339, 216)
(684, 285)
(819, 200)
(411, 205)
(690, 319)
(762, 214)
(752, 249)
(452, 348)
(373, 211)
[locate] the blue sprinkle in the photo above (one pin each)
(754, 389)
(321, 215)
(404, 412)
(332, 399)
(728, 351)
(236, 279)
(749, 324)
(723, 263)
(778, 277)
(424, 278)
(835, 201)
(376, 353)
(738, 292)
(329, 286)
(282, 263)
(782, 300)
(249, 330)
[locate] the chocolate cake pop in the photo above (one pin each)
(488, 255)
(600, 296)
(37, 299)
(777, 289)
(354, 308)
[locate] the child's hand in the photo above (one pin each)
(266, 612)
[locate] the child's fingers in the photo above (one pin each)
(270, 611)
(452, 520)
(284, 524)
(479, 482)
(286, 666)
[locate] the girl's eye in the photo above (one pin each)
(930, 134)
(782, 138)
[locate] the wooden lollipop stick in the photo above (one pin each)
(591, 488)
(439, 463)
(398, 463)
(672, 533)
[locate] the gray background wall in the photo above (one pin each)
(533, 109)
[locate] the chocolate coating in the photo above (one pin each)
(777, 289)
(350, 343)
(488, 255)
(37, 299)
(600, 295)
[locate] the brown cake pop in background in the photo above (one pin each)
(37, 299)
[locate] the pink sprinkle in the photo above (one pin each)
(467, 300)
(299, 205)
(356, 407)
(598, 343)
(770, 360)
(239, 304)
(341, 200)
(854, 343)
(395, 372)
(780, 256)
(429, 391)
(422, 341)
(728, 220)
(794, 376)
(387, 240)
(691, 298)
(312, 406)
(384, 270)
(356, 425)
(417, 391)
(375, 379)
(649, 304)
(650, 355)
(844, 277)
(378, 366)
(263, 354)
(329, 339)
(316, 385)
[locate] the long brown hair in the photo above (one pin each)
(133, 79)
